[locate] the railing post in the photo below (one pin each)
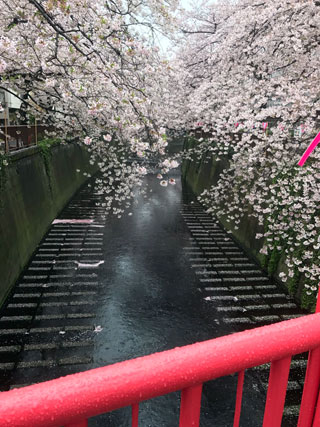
(237, 411)
(311, 384)
(316, 420)
(135, 415)
(310, 389)
(277, 389)
(190, 406)
(83, 423)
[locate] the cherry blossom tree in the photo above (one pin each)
(89, 69)
(251, 73)
(245, 72)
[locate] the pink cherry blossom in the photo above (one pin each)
(87, 140)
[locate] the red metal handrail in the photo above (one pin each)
(71, 400)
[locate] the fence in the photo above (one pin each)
(21, 136)
(71, 400)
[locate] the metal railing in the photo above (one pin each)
(71, 400)
(17, 137)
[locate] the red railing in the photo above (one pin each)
(71, 400)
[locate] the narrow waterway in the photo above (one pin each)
(164, 275)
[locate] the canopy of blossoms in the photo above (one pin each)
(245, 72)
(88, 69)
(252, 83)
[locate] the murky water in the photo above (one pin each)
(151, 303)
(146, 297)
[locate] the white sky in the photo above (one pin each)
(164, 43)
(185, 3)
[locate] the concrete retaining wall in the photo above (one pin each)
(35, 190)
(201, 175)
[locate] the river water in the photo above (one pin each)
(170, 277)
(151, 302)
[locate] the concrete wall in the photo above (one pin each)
(201, 175)
(35, 190)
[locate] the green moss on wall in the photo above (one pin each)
(274, 261)
(31, 198)
(200, 175)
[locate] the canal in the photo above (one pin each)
(163, 275)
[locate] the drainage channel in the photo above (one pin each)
(100, 290)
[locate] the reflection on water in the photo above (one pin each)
(150, 303)
(142, 297)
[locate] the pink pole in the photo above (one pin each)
(135, 415)
(311, 384)
(310, 397)
(83, 423)
(237, 411)
(309, 150)
(277, 389)
(310, 389)
(318, 301)
(316, 420)
(190, 406)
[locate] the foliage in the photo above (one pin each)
(45, 145)
(89, 69)
(247, 63)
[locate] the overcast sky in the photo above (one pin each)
(185, 3)
(163, 41)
